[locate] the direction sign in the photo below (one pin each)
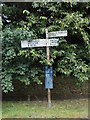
(39, 43)
(57, 34)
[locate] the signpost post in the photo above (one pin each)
(46, 43)
(47, 50)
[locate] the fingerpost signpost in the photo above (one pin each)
(46, 43)
(47, 50)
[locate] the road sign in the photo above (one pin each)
(57, 34)
(46, 43)
(48, 77)
(39, 43)
(53, 42)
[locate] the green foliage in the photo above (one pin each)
(29, 21)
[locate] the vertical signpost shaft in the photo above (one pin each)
(47, 50)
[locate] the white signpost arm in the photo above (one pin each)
(47, 51)
(57, 34)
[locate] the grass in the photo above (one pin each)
(77, 108)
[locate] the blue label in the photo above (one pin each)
(48, 77)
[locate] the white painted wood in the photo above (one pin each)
(57, 34)
(39, 43)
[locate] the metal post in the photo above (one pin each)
(47, 50)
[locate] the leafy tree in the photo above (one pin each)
(27, 21)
